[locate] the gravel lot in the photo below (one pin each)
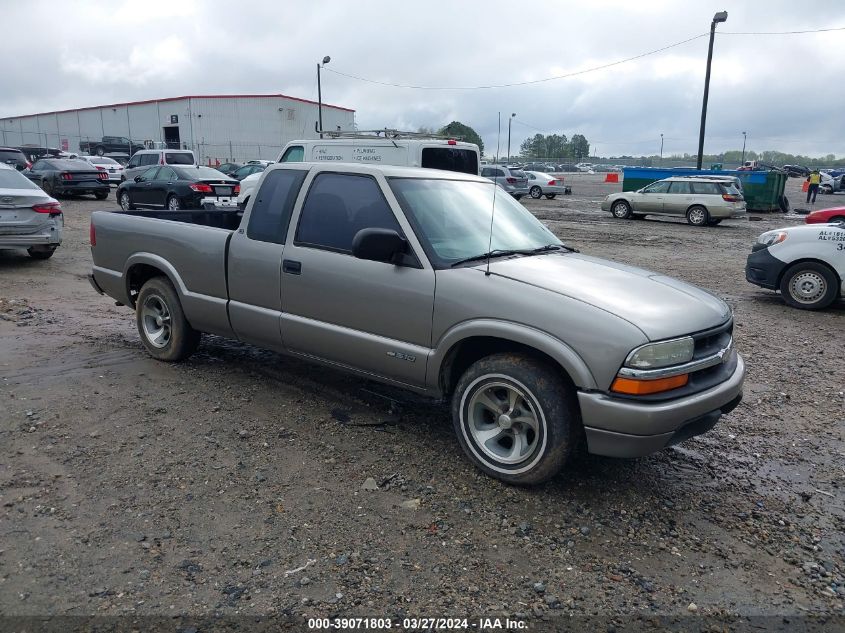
(235, 483)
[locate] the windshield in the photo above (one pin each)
(452, 219)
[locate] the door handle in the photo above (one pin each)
(291, 267)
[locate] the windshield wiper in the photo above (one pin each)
(555, 247)
(494, 253)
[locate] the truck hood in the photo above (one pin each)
(660, 306)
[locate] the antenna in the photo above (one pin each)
(495, 186)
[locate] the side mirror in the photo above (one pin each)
(379, 245)
(139, 178)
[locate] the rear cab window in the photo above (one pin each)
(271, 211)
(464, 161)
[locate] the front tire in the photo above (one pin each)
(838, 218)
(515, 418)
(621, 210)
(125, 201)
(164, 330)
(535, 192)
(809, 286)
(698, 216)
(41, 253)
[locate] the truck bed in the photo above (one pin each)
(228, 219)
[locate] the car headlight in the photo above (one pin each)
(771, 238)
(662, 354)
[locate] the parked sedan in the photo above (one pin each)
(65, 176)
(702, 201)
(177, 188)
(826, 216)
(541, 184)
(229, 168)
(108, 165)
(512, 180)
(29, 218)
(248, 170)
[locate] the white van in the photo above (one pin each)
(396, 149)
(143, 159)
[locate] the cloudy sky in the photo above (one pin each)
(786, 91)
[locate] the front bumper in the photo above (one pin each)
(626, 428)
(763, 269)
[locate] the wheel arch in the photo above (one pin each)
(142, 267)
(468, 343)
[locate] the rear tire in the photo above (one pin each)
(698, 216)
(716, 222)
(550, 196)
(838, 218)
(173, 203)
(41, 253)
(47, 187)
(100, 150)
(101, 195)
(535, 192)
(164, 330)
(515, 418)
(621, 210)
(809, 286)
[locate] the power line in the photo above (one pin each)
(521, 83)
(836, 28)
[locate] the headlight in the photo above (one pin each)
(772, 237)
(663, 354)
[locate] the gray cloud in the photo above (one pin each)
(784, 90)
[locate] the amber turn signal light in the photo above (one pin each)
(634, 387)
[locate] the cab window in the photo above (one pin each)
(270, 215)
(680, 187)
(295, 154)
(657, 187)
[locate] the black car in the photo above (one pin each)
(248, 170)
(65, 176)
(177, 188)
(565, 167)
(796, 171)
(229, 168)
(14, 158)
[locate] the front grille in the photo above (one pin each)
(712, 341)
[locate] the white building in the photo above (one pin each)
(217, 127)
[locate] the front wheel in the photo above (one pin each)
(698, 216)
(621, 210)
(173, 203)
(164, 330)
(809, 286)
(515, 418)
(125, 201)
(535, 192)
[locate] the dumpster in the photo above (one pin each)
(763, 190)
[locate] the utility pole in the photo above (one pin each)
(743, 147)
(509, 137)
(326, 60)
(721, 16)
(661, 148)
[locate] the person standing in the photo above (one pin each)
(814, 179)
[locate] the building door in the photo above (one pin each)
(171, 136)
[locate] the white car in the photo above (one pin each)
(108, 165)
(541, 184)
(29, 218)
(806, 263)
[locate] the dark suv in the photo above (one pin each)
(14, 158)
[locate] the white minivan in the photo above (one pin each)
(434, 153)
(146, 158)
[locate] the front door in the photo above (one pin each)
(142, 190)
(371, 316)
(171, 136)
(650, 199)
(160, 185)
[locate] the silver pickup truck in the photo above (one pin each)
(401, 275)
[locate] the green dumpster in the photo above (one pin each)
(763, 190)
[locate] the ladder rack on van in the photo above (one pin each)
(386, 133)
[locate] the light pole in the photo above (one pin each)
(661, 148)
(509, 136)
(721, 16)
(743, 148)
(326, 60)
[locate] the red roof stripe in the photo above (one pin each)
(129, 103)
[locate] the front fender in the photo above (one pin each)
(564, 355)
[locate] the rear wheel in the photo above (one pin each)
(48, 188)
(173, 203)
(550, 196)
(164, 330)
(38, 252)
(809, 286)
(535, 192)
(101, 195)
(100, 150)
(515, 418)
(621, 210)
(518, 196)
(698, 216)
(715, 222)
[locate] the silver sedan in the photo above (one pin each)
(541, 184)
(29, 218)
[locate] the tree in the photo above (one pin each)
(464, 132)
(580, 147)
